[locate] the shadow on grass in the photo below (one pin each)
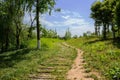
(94, 41)
(98, 40)
(10, 59)
(116, 42)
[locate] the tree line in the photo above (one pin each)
(106, 16)
(12, 29)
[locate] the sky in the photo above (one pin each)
(74, 14)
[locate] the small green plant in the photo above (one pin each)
(114, 73)
(94, 76)
(88, 70)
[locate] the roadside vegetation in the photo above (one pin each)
(30, 63)
(101, 55)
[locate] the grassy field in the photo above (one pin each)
(52, 61)
(101, 56)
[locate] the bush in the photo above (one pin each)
(24, 44)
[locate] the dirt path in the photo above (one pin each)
(53, 68)
(78, 72)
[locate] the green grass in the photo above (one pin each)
(46, 43)
(101, 56)
(23, 64)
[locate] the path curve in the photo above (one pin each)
(77, 72)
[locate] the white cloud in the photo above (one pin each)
(66, 12)
(61, 21)
(79, 30)
(66, 17)
(74, 21)
(47, 23)
(72, 13)
(75, 14)
(70, 19)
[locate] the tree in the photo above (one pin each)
(6, 24)
(40, 8)
(105, 13)
(18, 19)
(112, 19)
(101, 13)
(75, 36)
(67, 34)
(111, 5)
(96, 15)
(117, 14)
(48, 33)
(11, 15)
(97, 25)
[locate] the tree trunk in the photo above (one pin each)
(118, 31)
(17, 41)
(17, 37)
(37, 24)
(104, 31)
(7, 40)
(2, 47)
(18, 30)
(113, 31)
(108, 28)
(2, 42)
(96, 30)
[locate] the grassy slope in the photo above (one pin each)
(18, 65)
(103, 56)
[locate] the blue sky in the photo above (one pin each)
(75, 15)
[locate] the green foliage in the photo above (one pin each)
(75, 36)
(6, 26)
(117, 12)
(84, 34)
(11, 23)
(40, 7)
(44, 6)
(114, 73)
(67, 34)
(95, 8)
(11, 26)
(46, 33)
(106, 13)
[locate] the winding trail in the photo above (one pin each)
(77, 72)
